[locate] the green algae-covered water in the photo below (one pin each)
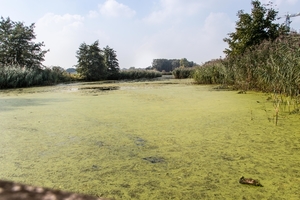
(149, 140)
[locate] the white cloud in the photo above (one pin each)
(196, 43)
(112, 8)
(61, 34)
(217, 23)
(216, 27)
(173, 8)
(59, 22)
(93, 14)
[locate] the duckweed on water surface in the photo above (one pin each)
(149, 140)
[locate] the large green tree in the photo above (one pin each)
(251, 29)
(91, 65)
(111, 62)
(17, 45)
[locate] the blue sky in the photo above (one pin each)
(139, 30)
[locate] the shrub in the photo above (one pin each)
(138, 74)
(183, 72)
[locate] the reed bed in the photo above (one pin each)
(15, 76)
(269, 67)
(212, 72)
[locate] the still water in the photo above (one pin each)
(149, 140)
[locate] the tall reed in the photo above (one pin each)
(212, 72)
(269, 67)
(183, 72)
(15, 76)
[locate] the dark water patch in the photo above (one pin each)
(91, 169)
(165, 83)
(99, 144)
(100, 88)
(227, 158)
(94, 167)
(98, 82)
(154, 159)
(222, 87)
(140, 142)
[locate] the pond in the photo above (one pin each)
(166, 139)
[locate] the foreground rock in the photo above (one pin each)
(250, 181)
(15, 191)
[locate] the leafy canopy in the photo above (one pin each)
(17, 46)
(96, 64)
(91, 62)
(252, 29)
(111, 62)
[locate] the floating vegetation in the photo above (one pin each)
(150, 141)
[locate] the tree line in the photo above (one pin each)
(21, 60)
(168, 65)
